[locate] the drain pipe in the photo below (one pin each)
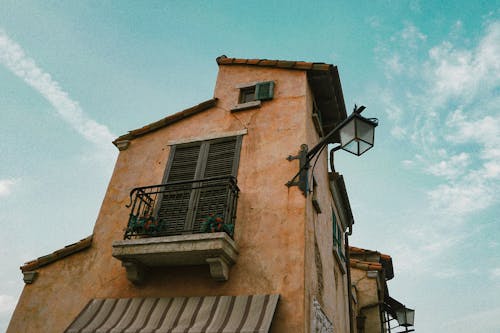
(348, 269)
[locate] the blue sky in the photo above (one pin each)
(75, 75)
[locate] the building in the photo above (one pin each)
(198, 232)
(374, 310)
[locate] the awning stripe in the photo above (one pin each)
(120, 308)
(207, 314)
(129, 316)
(161, 318)
(245, 314)
(106, 314)
(229, 311)
(214, 305)
(195, 314)
(262, 313)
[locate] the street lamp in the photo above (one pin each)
(356, 136)
(405, 316)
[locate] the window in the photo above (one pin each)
(338, 242)
(247, 95)
(252, 94)
(317, 121)
(183, 209)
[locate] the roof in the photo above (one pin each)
(57, 255)
(167, 120)
(323, 79)
(284, 64)
(365, 265)
(370, 257)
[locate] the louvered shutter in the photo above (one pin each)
(183, 207)
(264, 90)
(175, 204)
(213, 196)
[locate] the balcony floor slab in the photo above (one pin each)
(215, 249)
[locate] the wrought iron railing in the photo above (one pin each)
(183, 207)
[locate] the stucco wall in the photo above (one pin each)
(324, 280)
(270, 218)
(368, 298)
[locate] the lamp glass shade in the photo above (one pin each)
(405, 316)
(357, 135)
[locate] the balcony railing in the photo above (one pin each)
(183, 207)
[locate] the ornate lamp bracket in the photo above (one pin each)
(302, 181)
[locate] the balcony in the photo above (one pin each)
(180, 223)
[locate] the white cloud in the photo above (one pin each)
(465, 73)
(456, 200)
(452, 112)
(450, 168)
(6, 186)
(13, 57)
(7, 303)
(394, 64)
(451, 117)
(412, 35)
(495, 273)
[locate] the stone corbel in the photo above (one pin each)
(122, 144)
(29, 276)
(135, 272)
(219, 268)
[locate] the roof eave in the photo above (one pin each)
(58, 255)
(154, 126)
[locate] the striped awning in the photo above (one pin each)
(207, 314)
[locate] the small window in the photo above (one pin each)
(247, 94)
(317, 121)
(338, 243)
(252, 94)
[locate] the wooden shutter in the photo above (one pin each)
(175, 204)
(184, 207)
(221, 160)
(184, 162)
(264, 90)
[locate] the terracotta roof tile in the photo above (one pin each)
(385, 260)
(286, 64)
(240, 61)
(365, 265)
(359, 250)
(253, 61)
(57, 255)
(268, 63)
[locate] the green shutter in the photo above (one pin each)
(334, 226)
(264, 90)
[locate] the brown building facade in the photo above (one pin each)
(198, 232)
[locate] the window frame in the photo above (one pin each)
(200, 169)
(257, 89)
(338, 247)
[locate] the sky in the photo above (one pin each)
(75, 75)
